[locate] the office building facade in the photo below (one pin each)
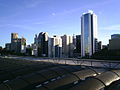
(114, 42)
(55, 47)
(67, 46)
(18, 45)
(88, 33)
(42, 42)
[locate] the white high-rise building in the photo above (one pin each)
(67, 46)
(71, 46)
(88, 33)
(55, 47)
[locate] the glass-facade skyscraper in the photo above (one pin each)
(88, 33)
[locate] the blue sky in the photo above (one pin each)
(57, 17)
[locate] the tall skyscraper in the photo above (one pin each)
(88, 33)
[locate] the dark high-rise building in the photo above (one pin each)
(8, 46)
(74, 40)
(42, 41)
(77, 49)
(78, 44)
(114, 42)
(36, 39)
(14, 42)
(98, 45)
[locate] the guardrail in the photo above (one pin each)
(88, 62)
(105, 64)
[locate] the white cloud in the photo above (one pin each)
(112, 27)
(53, 14)
(34, 3)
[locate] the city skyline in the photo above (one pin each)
(29, 17)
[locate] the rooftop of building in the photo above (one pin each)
(89, 11)
(115, 36)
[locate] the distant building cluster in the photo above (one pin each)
(84, 45)
(54, 47)
(17, 45)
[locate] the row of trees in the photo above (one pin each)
(4, 51)
(107, 54)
